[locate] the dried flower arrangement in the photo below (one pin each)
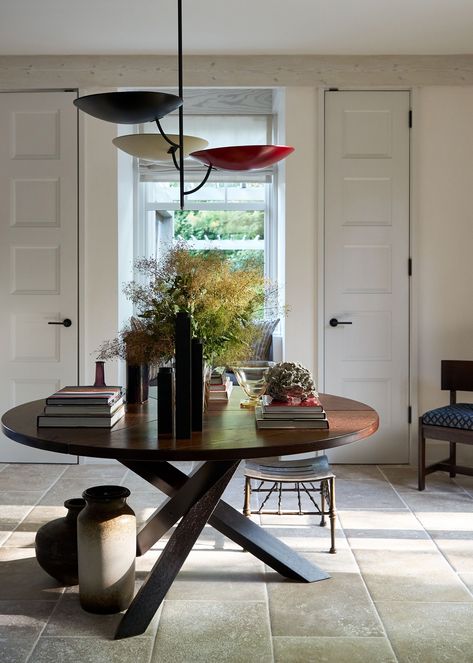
(223, 301)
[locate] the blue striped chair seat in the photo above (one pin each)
(459, 415)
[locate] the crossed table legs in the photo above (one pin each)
(195, 499)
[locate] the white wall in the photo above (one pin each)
(99, 309)
(443, 262)
(300, 214)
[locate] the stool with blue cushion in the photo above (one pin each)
(452, 423)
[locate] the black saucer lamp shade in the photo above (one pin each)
(132, 107)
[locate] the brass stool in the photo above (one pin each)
(303, 474)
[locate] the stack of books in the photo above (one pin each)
(278, 414)
(220, 386)
(83, 407)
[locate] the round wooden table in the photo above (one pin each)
(229, 435)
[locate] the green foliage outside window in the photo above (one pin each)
(210, 225)
(215, 225)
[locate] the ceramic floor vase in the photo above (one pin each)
(56, 544)
(106, 538)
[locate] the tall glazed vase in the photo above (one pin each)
(106, 543)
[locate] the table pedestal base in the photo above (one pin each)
(195, 499)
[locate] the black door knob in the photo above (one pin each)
(66, 322)
(333, 322)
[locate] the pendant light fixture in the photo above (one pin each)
(136, 107)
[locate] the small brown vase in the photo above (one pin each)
(56, 544)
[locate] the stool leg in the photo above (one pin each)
(323, 489)
(246, 506)
(453, 459)
(332, 514)
(299, 503)
(421, 457)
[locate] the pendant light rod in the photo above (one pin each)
(163, 134)
(181, 110)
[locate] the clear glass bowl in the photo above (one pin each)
(251, 376)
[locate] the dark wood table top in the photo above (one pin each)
(229, 433)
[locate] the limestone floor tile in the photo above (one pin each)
(235, 492)
(458, 523)
(21, 577)
(209, 539)
(21, 622)
(136, 483)
(70, 620)
(467, 578)
(6, 531)
(366, 495)
(421, 501)
(404, 477)
(101, 473)
(213, 632)
(332, 650)
(358, 472)
(459, 552)
(91, 650)
(466, 482)
(144, 504)
(26, 476)
(24, 534)
(343, 562)
(306, 538)
(220, 576)
(16, 505)
(429, 632)
(339, 606)
(420, 575)
(372, 529)
(65, 489)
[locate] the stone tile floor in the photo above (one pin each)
(401, 586)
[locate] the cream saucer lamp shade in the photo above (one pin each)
(153, 147)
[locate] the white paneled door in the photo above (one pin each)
(38, 253)
(366, 264)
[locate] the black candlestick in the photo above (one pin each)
(197, 383)
(165, 401)
(183, 375)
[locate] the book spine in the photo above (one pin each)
(183, 375)
(197, 377)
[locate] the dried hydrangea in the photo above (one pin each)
(287, 380)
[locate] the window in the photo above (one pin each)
(233, 212)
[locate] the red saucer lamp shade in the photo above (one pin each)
(242, 157)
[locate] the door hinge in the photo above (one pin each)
(409, 414)
(409, 267)
(410, 119)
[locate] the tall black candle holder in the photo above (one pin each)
(165, 382)
(197, 379)
(183, 376)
